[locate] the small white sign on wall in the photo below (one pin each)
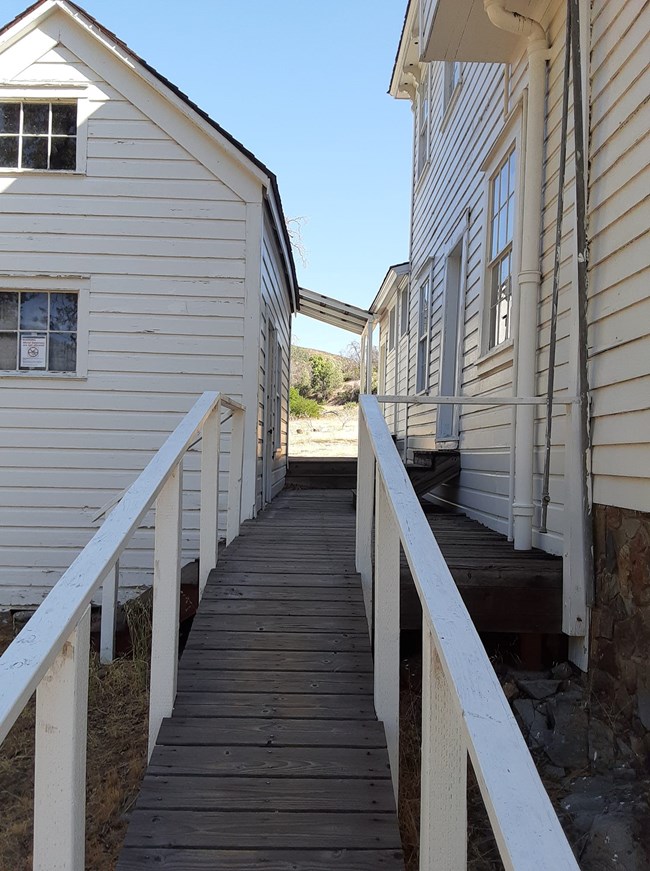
(33, 352)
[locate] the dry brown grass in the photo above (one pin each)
(334, 434)
(117, 745)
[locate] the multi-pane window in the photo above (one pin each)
(403, 312)
(423, 337)
(392, 328)
(38, 331)
(423, 123)
(37, 135)
(501, 230)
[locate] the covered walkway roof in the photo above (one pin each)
(332, 311)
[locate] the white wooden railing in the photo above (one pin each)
(464, 710)
(51, 654)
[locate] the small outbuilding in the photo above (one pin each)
(144, 259)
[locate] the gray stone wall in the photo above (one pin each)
(619, 676)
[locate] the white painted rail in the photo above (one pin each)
(50, 655)
(464, 710)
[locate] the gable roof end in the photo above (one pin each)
(31, 18)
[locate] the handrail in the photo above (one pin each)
(464, 708)
(54, 643)
(482, 399)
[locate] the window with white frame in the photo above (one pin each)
(451, 80)
(500, 249)
(403, 312)
(37, 134)
(423, 337)
(422, 139)
(38, 331)
(392, 328)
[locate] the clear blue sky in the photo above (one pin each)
(302, 83)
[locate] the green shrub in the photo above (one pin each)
(300, 406)
(326, 377)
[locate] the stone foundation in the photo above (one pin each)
(619, 676)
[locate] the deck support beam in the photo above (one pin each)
(166, 603)
(60, 759)
(387, 618)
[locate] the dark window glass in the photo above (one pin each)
(63, 311)
(8, 350)
(9, 117)
(62, 352)
(8, 151)
(64, 153)
(8, 311)
(33, 311)
(64, 119)
(34, 152)
(36, 117)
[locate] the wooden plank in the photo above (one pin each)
(212, 638)
(274, 660)
(218, 681)
(164, 828)
(135, 859)
(278, 608)
(298, 593)
(263, 793)
(179, 730)
(340, 579)
(295, 567)
(270, 762)
(278, 623)
(297, 705)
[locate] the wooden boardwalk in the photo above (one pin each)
(273, 758)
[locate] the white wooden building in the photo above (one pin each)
(144, 260)
(472, 317)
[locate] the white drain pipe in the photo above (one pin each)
(529, 275)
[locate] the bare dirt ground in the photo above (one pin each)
(334, 434)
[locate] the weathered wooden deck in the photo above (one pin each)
(273, 757)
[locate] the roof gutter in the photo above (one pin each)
(529, 278)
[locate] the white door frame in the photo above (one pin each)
(270, 390)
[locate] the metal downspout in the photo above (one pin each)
(529, 275)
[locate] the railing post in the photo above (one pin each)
(60, 761)
(166, 602)
(110, 589)
(209, 518)
(443, 814)
(365, 508)
(387, 619)
(233, 519)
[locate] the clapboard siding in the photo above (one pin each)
(155, 232)
(276, 311)
(451, 185)
(619, 276)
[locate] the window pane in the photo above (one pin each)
(64, 153)
(503, 195)
(64, 119)
(512, 163)
(36, 117)
(8, 151)
(62, 352)
(33, 311)
(8, 351)
(63, 311)
(8, 311)
(35, 152)
(9, 117)
(503, 229)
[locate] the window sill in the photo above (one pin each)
(47, 376)
(496, 358)
(14, 170)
